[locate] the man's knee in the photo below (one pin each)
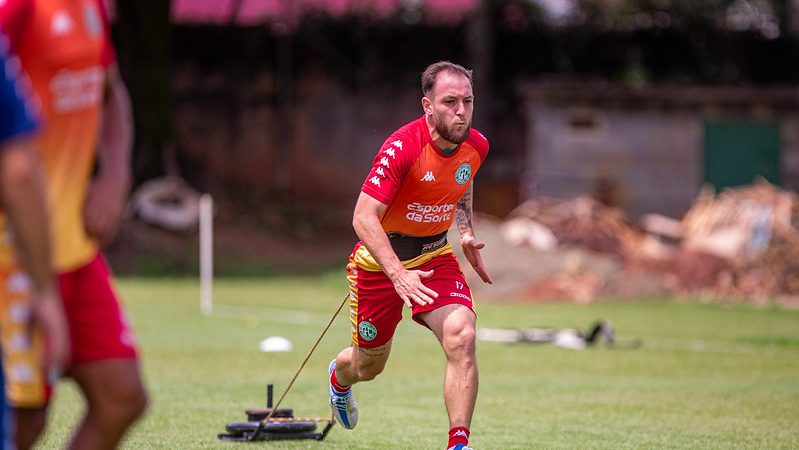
(138, 403)
(124, 405)
(368, 363)
(368, 372)
(459, 337)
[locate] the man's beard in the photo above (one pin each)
(449, 134)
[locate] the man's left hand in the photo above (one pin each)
(471, 249)
(105, 203)
(47, 314)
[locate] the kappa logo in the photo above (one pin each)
(391, 152)
(375, 180)
(428, 176)
(61, 24)
(397, 144)
(384, 162)
(461, 433)
(380, 172)
(460, 295)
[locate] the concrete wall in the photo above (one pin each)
(641, 157)
(649, 160)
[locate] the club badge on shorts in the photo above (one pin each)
(463, 173)
(367, 331)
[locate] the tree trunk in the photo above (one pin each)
(142, 33)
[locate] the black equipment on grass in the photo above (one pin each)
(266, 428)
(281, 425)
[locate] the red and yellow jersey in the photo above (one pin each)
(65, 49)
(420, 184)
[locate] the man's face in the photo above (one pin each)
(451, 106)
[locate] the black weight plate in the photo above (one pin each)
(271, 427)
(256, 414)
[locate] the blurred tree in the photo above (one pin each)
(357, 44)
(790, 18)
(142, 33)
(643, 41)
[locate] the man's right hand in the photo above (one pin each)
(47, 313)
(409, 286)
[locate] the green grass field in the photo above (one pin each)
(707, 376)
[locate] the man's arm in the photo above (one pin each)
(407, 283)
(471, 248)
(107, 196)
(23, 201)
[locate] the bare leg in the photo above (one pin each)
(29, 424)
(115, 397)
(453, 325)
(354, 364)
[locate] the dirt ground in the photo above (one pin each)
(523, 274)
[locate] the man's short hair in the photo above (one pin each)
(430, 75)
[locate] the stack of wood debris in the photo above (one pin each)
(754, 229)
(742, 243)
(546, 223)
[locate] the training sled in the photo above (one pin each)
(282, 425)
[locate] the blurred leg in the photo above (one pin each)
(29, 425)
(115, 397)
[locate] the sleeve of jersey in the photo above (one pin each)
(15, 15)
(108, 56)
(389, 169)
(480, 144)
(15, 113)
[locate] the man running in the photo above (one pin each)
(421, 181)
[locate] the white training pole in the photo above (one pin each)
(206, 254)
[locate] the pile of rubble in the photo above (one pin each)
(742, 243)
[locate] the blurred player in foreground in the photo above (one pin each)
(421, 181)
(65, 48)
(23, 206)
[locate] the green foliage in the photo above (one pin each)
(707, 376)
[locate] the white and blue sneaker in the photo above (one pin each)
(345, 410)
(460, 447)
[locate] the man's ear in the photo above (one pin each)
(427, 105)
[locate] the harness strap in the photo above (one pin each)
(409, 247)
